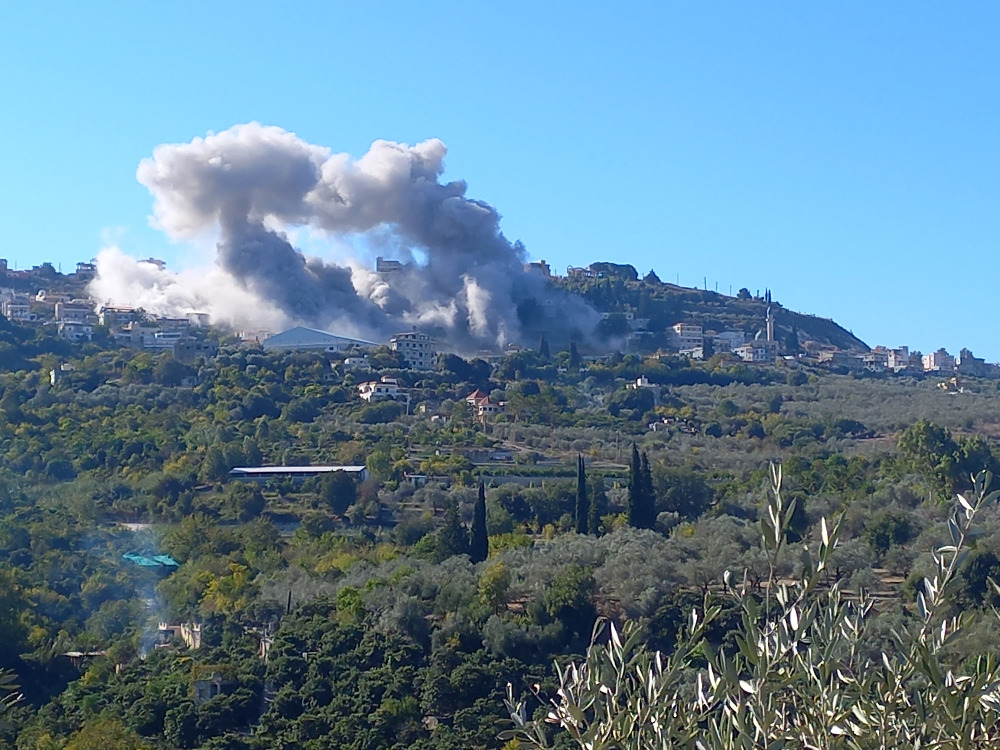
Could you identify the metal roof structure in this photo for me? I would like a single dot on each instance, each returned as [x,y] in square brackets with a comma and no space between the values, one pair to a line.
[300,338]
[264,472]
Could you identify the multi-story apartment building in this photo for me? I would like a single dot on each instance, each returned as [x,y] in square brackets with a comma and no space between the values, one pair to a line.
[898,359]
[74,311]
[18,308]
[74,330]
[686,336]
[939,361]
[417,349]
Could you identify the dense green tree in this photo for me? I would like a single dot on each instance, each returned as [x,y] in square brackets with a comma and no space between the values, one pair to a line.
[682,491]
[479,543]
[169,372]
[180,725]
[569,599]
[597,507]
[338,491]
[648,492]
[639,400]
[105,734]
[928,448]
[13,610]
[574,356]
[888,528]
[974,588]
[452,538]
[494,585]
[582,498]
[214,467]
[641,508]
[543,349]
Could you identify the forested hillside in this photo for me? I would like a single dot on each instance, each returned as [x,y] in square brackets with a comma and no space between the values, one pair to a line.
[393,612]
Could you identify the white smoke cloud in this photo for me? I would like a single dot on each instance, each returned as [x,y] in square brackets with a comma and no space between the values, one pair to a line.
[122,280]
[257,186]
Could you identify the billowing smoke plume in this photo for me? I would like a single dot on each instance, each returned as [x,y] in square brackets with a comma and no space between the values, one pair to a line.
[256,184]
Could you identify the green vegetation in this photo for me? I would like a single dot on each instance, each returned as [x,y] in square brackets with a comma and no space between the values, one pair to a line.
[802,672]
[393,612]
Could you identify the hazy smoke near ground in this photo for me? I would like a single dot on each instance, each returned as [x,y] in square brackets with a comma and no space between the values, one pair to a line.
[255,183]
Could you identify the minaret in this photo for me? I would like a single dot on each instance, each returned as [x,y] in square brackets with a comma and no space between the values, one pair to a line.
[770,324]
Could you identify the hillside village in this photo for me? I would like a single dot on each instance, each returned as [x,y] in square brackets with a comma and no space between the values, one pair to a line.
[62,302]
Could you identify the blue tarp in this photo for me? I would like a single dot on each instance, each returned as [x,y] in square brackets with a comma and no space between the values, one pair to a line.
[140,560]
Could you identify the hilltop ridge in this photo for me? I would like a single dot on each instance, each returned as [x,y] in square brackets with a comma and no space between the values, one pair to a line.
[617,288]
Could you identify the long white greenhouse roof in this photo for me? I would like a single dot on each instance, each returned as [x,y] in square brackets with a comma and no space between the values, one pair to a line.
[293,469]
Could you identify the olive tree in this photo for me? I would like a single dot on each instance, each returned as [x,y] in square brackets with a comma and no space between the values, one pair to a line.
[799,676]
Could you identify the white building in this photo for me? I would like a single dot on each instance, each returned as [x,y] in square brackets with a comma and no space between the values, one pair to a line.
[74,331]
[174,324]
[133,334]
[357,364]
[302,338]
[897,359]
[416,348]
[876,360]
[18,308]
[758,351]
[161,340]
[78,311]
[57,374]
[697,352]
[939,361]
[727,341]
[484,408]
[50,298]
[116,316]
[381,390]
[686,336]
[641,382]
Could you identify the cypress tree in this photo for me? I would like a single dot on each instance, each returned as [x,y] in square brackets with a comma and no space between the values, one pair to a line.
[479,546]
[635,484]
[598,506]
[543,349]
[574,356]
[582,500]
[641,496]
[648,495]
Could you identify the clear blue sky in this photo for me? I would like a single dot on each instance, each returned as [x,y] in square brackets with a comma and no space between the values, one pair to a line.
[846,155]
